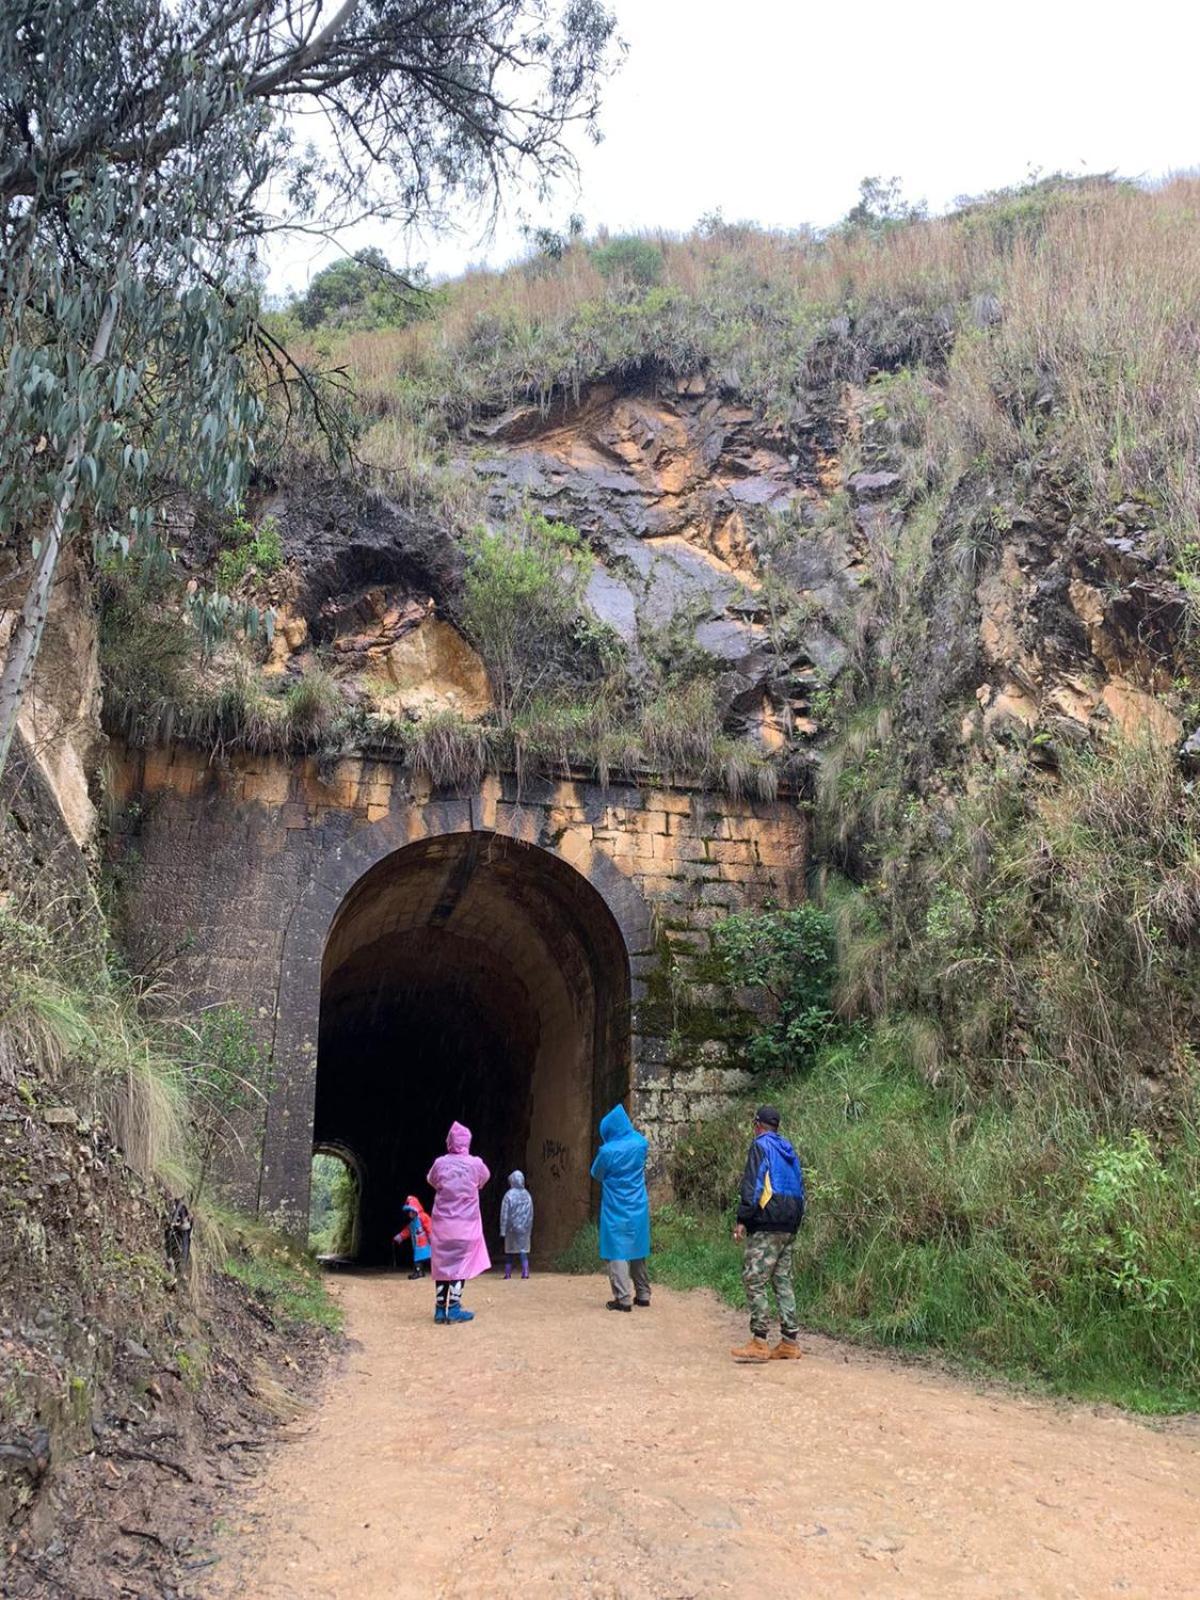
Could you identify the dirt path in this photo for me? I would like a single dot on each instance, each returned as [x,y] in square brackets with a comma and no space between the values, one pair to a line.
[552,1448]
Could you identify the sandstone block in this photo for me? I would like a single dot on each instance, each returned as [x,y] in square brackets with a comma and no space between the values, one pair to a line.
[668,800]
[732,852]
[648,822]
[686,849]
[268,787]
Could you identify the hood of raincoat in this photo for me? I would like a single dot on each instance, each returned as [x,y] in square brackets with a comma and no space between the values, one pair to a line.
[516,1180]
[458,1140]
[412,1204]
[616,1124]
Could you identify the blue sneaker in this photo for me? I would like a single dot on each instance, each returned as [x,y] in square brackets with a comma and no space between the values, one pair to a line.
[457,1314]
[439,1314]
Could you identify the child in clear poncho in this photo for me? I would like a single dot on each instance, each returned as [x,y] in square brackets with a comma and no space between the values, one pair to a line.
[516,1224]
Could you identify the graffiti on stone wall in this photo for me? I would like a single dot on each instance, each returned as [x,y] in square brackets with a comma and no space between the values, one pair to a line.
[556,1156]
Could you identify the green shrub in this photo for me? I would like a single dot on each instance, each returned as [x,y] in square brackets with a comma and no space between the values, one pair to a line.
[789,955]
[1017,1237]
[629,260]
[148,650]
[522,602]
[362,291]
[249,549]
[312,705]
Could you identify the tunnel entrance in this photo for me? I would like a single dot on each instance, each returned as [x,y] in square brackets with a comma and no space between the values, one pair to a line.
[334,1191]
[472,977]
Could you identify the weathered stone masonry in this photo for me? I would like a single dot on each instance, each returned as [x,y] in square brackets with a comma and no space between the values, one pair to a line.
[239,868]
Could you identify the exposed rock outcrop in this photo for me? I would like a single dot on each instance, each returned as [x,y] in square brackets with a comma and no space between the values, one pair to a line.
[682,494]
[700,516]
[60,719]
[679,496]
[1078,631]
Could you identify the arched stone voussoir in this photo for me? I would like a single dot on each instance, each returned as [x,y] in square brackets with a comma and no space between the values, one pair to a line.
[336,892]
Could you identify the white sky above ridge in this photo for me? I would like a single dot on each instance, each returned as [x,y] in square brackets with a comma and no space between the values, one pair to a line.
[773,112]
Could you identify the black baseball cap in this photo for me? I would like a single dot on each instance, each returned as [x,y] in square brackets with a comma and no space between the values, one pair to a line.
[768,1116]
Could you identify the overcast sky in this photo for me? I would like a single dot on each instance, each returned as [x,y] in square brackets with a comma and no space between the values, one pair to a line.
[773,111]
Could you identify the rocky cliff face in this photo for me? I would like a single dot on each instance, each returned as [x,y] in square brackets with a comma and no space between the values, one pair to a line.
[60,720]
[680,494]
[686,501]
[1025,620]
[771,554]
[1079,629]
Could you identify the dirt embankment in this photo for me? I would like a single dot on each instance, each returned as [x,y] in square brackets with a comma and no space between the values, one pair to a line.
[131,1407]
[551,1448]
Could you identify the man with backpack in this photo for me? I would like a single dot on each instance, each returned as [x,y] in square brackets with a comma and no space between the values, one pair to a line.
[770,1210]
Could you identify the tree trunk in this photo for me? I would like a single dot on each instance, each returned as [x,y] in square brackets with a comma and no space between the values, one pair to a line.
[26,638]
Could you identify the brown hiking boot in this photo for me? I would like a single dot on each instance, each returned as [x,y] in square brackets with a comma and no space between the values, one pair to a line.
[756,1350]
[786,1350]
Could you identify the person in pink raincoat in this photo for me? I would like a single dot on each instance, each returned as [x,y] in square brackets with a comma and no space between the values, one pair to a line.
[459,1251]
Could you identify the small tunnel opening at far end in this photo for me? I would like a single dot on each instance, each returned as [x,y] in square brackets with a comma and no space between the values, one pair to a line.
[335,1191]
[475,978]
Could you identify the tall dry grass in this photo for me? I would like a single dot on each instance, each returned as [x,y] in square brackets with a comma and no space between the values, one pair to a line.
[1068,315]
[73,1027]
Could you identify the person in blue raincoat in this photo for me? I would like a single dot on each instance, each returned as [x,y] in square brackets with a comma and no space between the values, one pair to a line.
[620,1170]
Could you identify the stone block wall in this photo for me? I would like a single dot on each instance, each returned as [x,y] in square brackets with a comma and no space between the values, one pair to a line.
[233,871]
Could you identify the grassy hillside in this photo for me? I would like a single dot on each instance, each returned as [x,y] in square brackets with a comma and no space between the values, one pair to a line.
[1057,322]
[1028,363]
[1001,1125]
[1010,1233]
[113,1101]
[1037,345]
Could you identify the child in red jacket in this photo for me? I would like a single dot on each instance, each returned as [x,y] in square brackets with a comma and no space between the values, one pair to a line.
[416,1228]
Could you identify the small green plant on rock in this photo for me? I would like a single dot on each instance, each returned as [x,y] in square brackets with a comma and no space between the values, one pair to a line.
[521,604]
[312,705]
[249,549]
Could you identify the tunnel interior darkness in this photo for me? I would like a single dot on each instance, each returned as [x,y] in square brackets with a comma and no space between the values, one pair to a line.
[472,977]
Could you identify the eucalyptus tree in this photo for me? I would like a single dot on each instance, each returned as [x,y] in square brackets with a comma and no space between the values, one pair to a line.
[147,147]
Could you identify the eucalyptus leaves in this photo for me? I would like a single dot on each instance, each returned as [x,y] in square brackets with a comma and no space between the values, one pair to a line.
[145,153]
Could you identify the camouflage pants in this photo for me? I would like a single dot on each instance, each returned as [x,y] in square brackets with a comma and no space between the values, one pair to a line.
[768,1259]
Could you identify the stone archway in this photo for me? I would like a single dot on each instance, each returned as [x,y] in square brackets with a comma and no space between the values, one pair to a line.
[468,975]
[352,1162]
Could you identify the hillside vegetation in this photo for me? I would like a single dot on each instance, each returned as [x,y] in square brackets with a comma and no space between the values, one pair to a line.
[994,424]
[117,1347]
[1056,319]
[1026,366]
[1001,1124]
